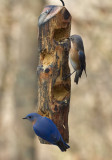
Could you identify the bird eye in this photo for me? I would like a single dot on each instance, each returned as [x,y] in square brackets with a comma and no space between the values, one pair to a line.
[29,116]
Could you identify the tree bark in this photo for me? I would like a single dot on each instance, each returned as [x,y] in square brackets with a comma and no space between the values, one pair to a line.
[53,45]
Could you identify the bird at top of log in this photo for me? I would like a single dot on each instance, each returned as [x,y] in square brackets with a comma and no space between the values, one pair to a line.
[47,130]
[77,57]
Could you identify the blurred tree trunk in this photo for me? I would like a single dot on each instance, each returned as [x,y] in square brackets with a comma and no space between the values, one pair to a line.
[18,61]
[8,74]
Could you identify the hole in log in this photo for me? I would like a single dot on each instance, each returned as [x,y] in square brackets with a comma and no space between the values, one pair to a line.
[66,15]
[47,70]
[59,92]
[46,58]
[60,34]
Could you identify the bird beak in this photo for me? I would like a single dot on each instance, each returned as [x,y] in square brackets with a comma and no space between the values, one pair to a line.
[69,38]
[24,118]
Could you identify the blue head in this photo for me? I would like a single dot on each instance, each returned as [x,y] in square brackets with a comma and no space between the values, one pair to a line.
[32,117]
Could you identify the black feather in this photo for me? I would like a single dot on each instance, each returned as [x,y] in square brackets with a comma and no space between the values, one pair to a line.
[63,146]
[82,61]
[77,76]
[76,79]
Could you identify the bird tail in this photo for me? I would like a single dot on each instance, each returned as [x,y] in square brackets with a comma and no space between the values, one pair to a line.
[77,76]
[85,72]
[63,146]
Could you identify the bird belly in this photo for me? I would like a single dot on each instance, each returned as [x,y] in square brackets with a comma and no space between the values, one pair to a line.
[74,64]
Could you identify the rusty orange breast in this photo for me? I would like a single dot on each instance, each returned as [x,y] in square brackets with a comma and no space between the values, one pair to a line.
[33,122]
[75,57]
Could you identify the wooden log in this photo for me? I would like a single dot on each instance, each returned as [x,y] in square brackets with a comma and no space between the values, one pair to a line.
[53,47]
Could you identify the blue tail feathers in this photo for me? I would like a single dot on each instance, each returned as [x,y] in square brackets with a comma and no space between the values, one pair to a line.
[62,145]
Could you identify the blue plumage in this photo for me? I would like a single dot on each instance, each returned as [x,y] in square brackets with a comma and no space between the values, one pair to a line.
[47,130]
[82,61]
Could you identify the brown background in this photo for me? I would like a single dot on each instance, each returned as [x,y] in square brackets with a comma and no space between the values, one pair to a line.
[90,116]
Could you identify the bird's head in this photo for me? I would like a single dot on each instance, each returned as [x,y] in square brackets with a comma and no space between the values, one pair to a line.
[32,117]
[77,40]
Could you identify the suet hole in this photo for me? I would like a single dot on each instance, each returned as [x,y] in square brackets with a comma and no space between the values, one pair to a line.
[61,34]
[46,58]
[47,70]
[66,15]
[59,92]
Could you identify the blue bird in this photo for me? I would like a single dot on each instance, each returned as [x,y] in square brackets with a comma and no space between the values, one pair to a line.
[47,130]
[77,57]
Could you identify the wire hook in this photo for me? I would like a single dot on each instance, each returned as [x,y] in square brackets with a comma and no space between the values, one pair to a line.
[62,2]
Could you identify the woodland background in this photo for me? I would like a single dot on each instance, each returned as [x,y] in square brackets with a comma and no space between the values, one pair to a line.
[90,116]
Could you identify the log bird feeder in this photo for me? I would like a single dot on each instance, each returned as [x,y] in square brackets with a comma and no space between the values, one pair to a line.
[53,48]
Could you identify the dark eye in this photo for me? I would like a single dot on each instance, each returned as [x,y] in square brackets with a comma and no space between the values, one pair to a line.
[29,116]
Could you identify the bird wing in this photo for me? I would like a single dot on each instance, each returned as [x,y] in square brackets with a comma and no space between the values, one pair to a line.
[47,130]
[82,61]
[54,133]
